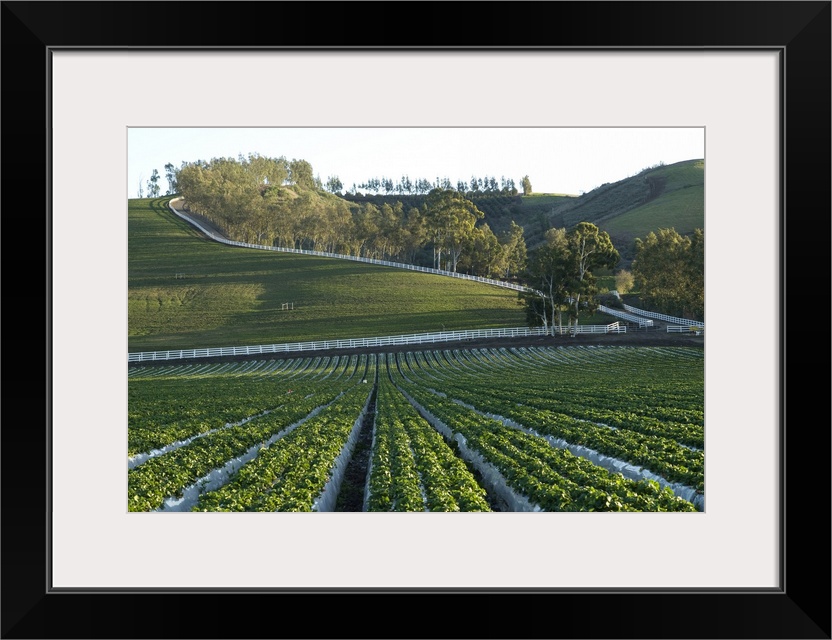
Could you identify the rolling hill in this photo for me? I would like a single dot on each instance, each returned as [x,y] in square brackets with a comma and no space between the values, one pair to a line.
[185,291]
[658,197]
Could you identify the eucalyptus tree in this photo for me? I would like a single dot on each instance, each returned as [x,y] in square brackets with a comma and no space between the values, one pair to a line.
[484,255]
[451,219]
[514,247]
[170,176]
[548,274]
[365,228]
[560,272]
[669,270]
[267,173]
[591,249]
[695,267]
[153,188]
[301,174]
[414,234]
[388,222]
[334,184]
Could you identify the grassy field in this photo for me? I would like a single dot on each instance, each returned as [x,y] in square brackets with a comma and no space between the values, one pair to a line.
[232,297]
[542,199]
[681,205]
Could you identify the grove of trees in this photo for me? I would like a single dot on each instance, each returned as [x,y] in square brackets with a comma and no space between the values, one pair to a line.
[561,273]
[275,201]
[669,272]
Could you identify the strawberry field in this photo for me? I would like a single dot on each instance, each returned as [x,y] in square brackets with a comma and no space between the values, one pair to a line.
[495,429]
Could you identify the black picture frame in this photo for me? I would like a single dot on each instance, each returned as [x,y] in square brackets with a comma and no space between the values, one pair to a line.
[800,608]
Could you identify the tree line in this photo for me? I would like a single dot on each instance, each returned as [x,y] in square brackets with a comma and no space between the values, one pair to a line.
[477,186]
[669,270]
[279,202]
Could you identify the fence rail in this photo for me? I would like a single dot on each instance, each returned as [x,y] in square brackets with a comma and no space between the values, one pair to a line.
[642,322]
[342,256]
[690,328]
[663,317]
[383,341]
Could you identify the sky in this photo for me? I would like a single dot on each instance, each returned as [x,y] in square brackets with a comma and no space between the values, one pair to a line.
[557,160]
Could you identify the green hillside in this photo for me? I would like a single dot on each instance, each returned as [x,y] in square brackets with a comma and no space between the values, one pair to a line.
[188,292]
[679,203]
[661,197]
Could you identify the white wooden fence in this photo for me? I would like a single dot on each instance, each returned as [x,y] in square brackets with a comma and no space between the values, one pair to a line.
[663,317]
[342,256]
[352,343]
[642,322]
[692,329]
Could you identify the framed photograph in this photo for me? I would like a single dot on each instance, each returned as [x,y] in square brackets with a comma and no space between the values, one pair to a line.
[755,76]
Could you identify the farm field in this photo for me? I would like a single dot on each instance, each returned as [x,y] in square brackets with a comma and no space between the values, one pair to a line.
[186,292]
[572,428]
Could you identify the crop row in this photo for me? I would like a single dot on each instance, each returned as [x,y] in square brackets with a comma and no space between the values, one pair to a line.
[665,374]
[504,387]
[175,409]
[413,468]
[553,479]
[292,473]
[663,456]
[664,386]
[168,475]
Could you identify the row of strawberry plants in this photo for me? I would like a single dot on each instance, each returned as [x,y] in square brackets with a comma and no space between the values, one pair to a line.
[413,468]
[624,356]
[688,435]
[393,482]
[664,388]
[292,473]
[662,456]
[551,478]
[505,385]
[164,411]
[667,384]
[677,397]
[169,474]
[277,399]
[531,462]
[242,368]
[208,369]
[648,364]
